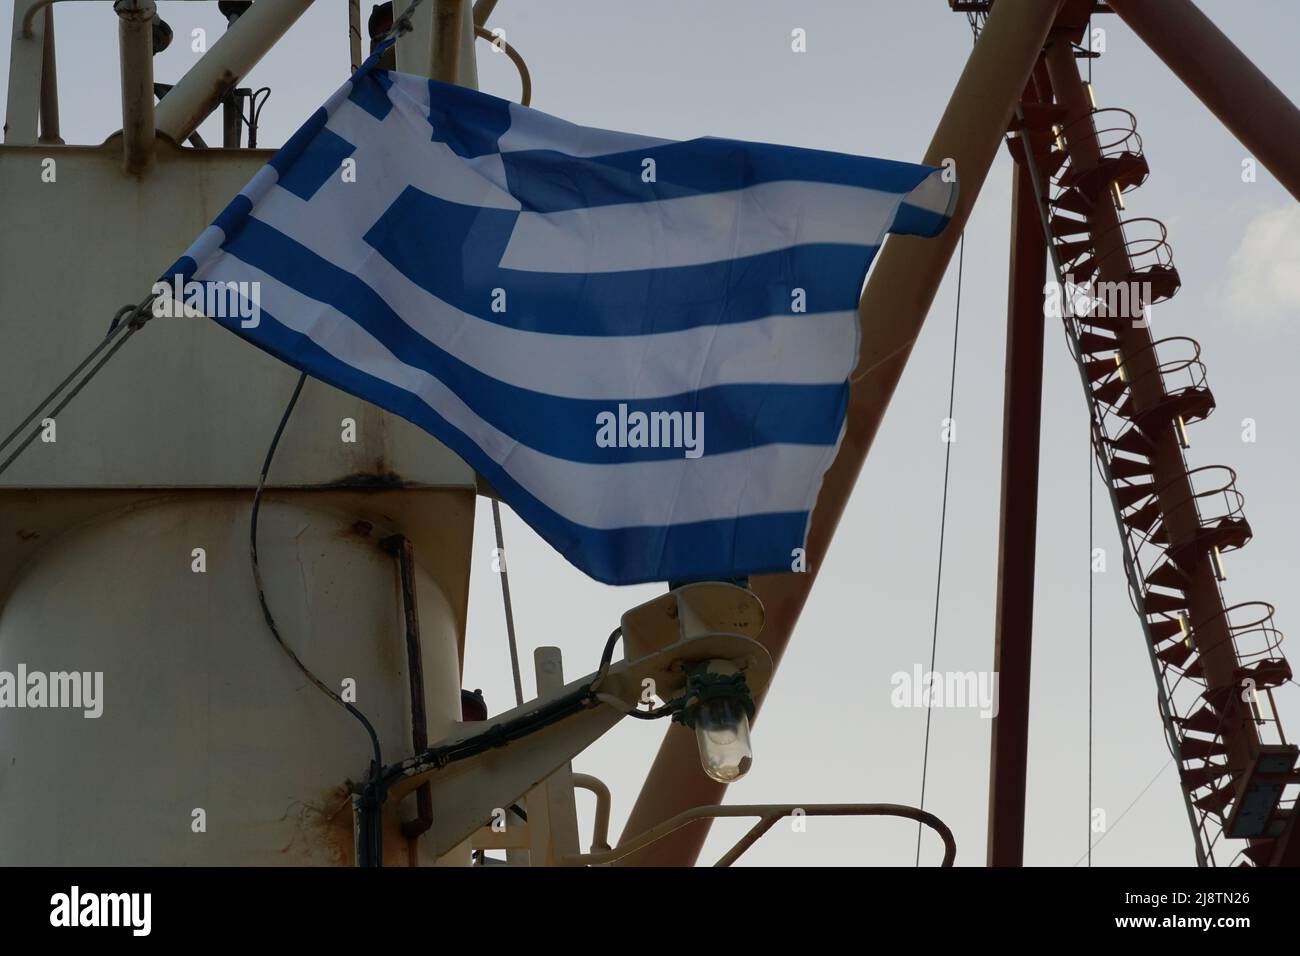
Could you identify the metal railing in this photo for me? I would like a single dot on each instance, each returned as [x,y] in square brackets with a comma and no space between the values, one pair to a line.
[1120,138]
[768,814]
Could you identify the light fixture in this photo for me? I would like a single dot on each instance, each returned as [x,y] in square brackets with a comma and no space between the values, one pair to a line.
[232,10]
[719,705]
[1219,572]
[1092,96]
[161,34]
[1262,714]
[472,705]
[1180,429]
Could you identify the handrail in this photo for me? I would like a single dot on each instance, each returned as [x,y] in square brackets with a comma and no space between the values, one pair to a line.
[1231,481]
[600,826]
[1262,625]
[1129,129]
[1154,244]
[1111,140]
[1235,501]
[1197,377]
[1166,366]
[768,814]
[1234,507]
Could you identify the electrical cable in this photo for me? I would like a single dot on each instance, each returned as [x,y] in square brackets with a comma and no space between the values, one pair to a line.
[943,513]
[119,315]
[261,591]
[1110,829]
[622,706]
[141,314]
[1090,632]
[943,524]
[505,600]
[606,656]
[256,100]
[499,735]
[103,343]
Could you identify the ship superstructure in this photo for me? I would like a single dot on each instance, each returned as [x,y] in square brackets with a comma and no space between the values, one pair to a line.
[363,524]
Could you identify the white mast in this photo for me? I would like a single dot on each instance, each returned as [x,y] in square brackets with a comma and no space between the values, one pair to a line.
[124,537]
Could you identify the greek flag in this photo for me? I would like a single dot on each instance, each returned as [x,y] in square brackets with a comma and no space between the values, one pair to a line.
[643,345]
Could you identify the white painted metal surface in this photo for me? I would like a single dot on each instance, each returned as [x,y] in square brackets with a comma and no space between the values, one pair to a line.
[201,709]
[185,403]
[25,55]
[135,40]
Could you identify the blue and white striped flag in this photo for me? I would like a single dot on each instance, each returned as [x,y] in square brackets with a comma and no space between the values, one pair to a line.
[643,345]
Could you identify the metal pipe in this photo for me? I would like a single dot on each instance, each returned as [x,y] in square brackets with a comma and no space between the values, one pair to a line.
[239,49]
[1018,523]
[232,122]
[401,548]
[135,37]
[30,15]
[482,10]
[1223,78]
[525,78]
[600,827]
[504,574]
[49,86]
[447,39]
[354,34]
[440,44]
[768,813]
[23,99]
[893,308]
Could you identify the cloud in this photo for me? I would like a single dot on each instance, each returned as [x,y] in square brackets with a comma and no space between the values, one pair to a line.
[1263,286]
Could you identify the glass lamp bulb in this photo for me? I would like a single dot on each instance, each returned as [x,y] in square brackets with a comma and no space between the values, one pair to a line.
[722,732]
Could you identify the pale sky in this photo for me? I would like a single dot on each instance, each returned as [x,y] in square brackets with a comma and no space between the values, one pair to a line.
[874,80]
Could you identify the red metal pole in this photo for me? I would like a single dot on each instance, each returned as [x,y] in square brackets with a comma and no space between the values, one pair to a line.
[1021,421]
[1224,78]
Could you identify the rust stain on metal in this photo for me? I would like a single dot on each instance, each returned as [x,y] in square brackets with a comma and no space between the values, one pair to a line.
[370,480]
[323,829]
[226,82]
[323,834]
